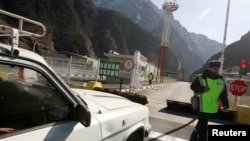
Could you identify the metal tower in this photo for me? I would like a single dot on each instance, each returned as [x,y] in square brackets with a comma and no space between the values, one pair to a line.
[169,6]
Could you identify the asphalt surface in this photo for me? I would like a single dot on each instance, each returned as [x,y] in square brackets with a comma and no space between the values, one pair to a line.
[168,124]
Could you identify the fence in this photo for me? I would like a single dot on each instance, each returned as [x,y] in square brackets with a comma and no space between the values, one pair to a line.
[72,69]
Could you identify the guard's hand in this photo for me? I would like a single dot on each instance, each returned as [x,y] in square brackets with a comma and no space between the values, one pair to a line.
[206,89]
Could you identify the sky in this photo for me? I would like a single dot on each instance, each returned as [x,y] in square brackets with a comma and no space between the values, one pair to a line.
[208,17]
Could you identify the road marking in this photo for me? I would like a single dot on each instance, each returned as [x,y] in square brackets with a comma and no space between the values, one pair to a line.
[163,137]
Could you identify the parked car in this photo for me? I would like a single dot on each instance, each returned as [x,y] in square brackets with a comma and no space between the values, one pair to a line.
[36,104]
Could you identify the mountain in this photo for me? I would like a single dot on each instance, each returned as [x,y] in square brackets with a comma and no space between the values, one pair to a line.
[233,54]
[206,46]
[192,49]
[78,26]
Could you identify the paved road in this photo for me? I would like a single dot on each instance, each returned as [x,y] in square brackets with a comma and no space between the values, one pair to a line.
[169,125]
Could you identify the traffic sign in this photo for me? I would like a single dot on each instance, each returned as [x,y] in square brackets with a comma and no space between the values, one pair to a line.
[109,68]
[238,87]
[128,64]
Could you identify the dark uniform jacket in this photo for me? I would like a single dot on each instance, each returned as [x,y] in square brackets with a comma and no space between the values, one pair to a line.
[197,87]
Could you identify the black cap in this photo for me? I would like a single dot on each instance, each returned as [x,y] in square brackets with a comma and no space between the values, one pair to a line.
[214,64]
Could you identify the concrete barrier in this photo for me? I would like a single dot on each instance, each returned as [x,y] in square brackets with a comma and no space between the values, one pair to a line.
[243,114]
[227,115]
[141,99]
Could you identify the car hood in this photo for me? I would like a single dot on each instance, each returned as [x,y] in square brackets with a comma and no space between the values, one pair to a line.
[97,100]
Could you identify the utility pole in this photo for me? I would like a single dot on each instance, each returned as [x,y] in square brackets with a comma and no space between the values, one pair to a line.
[224,38]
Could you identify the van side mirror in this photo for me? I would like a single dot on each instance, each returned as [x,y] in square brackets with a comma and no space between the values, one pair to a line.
[83,115]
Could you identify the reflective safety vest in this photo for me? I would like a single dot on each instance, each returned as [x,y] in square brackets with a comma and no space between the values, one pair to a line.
[150,77]
[209,101]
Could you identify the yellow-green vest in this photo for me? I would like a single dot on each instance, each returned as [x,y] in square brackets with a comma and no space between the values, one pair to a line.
[209,101]
[150,77]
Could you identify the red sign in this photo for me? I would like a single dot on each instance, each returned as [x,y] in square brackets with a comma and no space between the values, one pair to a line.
[128,64]
[238,87]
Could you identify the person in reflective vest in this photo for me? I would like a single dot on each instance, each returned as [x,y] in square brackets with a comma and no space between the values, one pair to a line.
[150,78]
[210,88]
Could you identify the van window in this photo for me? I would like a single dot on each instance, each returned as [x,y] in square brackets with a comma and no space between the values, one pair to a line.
[28,99]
